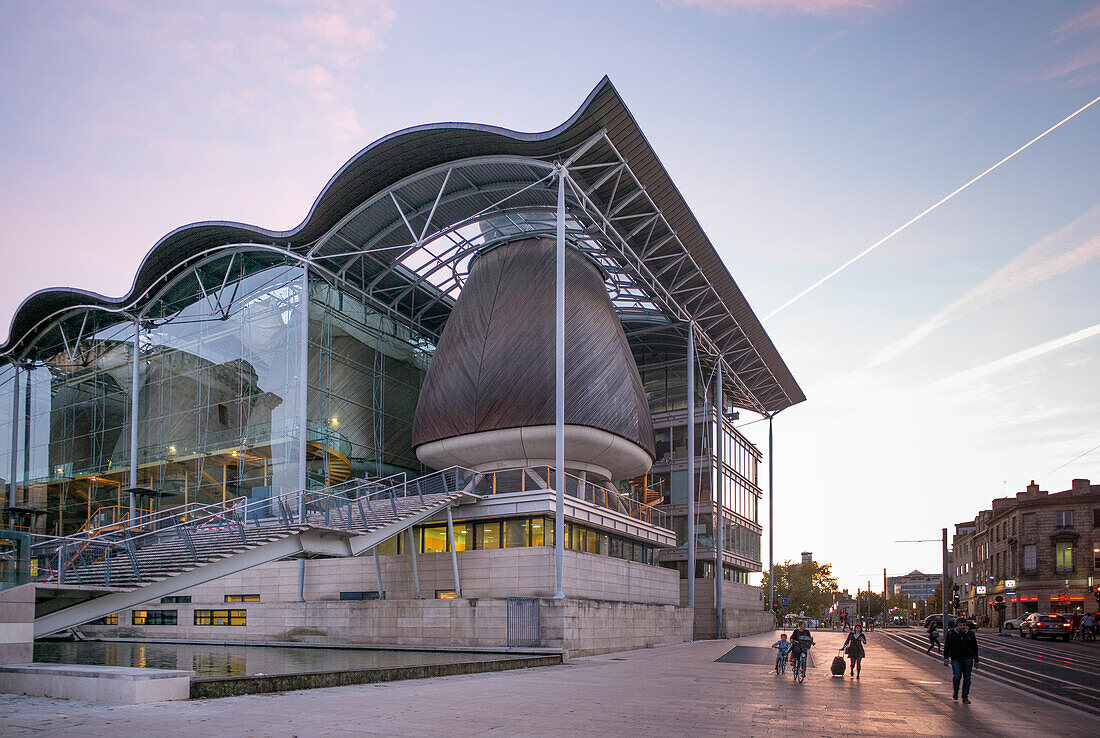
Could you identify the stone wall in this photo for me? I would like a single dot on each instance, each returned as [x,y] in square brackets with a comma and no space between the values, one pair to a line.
[527,572]
[579,626]
[742,600]
[17,625]
[615,604]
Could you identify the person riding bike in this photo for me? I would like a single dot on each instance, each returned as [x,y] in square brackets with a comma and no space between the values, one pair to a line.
[784,647]
[801,641]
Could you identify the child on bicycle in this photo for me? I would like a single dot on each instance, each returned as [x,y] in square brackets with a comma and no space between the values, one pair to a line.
[783,645]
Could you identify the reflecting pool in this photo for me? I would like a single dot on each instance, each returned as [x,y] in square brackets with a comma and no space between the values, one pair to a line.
[213,661]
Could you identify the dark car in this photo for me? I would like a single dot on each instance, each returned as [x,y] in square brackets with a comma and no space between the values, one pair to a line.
[938,620]
[1050,625]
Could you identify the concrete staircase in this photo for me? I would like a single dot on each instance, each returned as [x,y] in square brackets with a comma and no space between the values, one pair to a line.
[131,567]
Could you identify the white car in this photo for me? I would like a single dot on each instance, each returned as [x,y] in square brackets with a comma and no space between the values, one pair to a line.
[1014,623]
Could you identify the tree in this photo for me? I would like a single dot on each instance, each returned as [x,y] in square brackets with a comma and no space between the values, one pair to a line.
[809,587]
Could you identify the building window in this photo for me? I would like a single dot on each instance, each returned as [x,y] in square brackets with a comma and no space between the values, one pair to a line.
[1029,559]
[154,617]
[1063,556]
[111,619]
[445,594]
[1063,519]
[1013,526]
[515,533]
[1096,518]
[487,535]
[221,617]
[537,531]
[392,546]
[434,539]
[242,598]
[372,594]
[175,599]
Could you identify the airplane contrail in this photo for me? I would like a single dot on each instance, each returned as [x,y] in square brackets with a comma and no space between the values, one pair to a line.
[925,212]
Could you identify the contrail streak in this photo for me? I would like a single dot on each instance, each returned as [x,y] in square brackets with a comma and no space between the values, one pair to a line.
[925,212]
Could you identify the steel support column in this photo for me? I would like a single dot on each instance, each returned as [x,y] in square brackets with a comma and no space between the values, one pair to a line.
[134,417]
[771,519]
[719,520]
[412,552]
[14,435]
[691,464]
[303,396]
[559,393]
[378,573]
[454,552]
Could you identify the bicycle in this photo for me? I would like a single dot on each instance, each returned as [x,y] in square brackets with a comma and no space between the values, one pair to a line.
[800,667]
[781,663]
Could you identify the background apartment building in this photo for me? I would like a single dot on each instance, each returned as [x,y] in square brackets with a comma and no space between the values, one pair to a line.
[1047,545]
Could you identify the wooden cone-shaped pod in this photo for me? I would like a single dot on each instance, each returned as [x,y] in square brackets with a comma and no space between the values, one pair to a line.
[488,397]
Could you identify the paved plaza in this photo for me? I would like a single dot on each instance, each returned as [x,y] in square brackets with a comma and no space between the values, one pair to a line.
[673,690]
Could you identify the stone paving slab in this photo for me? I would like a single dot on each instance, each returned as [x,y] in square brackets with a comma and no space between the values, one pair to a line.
[672,690]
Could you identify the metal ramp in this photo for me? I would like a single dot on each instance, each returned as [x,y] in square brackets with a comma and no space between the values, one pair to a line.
[184,547]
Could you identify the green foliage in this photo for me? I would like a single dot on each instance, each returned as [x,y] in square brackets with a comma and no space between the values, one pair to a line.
[809,587]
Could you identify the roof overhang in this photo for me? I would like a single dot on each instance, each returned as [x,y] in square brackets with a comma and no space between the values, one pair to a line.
[401,220]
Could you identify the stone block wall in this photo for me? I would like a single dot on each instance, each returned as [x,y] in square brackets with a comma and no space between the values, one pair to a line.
[579,626]
[17,625]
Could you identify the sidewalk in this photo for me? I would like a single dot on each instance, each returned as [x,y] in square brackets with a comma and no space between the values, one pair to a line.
[673,690]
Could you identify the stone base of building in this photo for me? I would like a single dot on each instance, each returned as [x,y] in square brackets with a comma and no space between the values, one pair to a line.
[741,603]
[17,624]
[579,627]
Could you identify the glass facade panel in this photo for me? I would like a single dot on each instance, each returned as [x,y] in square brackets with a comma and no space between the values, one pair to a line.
[72,418]
[365,372]
[218,390]
[515,533]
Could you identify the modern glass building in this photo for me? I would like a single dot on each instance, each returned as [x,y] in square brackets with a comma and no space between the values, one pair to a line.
[246,363]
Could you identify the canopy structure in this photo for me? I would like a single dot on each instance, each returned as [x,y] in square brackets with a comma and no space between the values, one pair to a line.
[400,222]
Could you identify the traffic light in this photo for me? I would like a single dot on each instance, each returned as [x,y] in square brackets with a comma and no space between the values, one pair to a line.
[1096,592]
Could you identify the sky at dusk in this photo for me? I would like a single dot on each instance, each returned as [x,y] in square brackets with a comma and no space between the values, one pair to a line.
[955,363]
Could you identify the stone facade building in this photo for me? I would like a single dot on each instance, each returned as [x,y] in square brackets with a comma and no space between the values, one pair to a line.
[1048,545]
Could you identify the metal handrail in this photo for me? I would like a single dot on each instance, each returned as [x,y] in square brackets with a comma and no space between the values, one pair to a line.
[235,513]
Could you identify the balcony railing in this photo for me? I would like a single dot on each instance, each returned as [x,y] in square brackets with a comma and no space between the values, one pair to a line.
[527,479]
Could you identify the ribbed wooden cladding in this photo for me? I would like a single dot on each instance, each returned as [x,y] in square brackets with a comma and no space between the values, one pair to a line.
[494,365]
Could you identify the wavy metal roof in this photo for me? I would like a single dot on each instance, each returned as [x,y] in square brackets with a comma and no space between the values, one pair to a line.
[360,225]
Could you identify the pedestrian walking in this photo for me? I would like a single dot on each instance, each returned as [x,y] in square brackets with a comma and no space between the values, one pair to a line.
[847,626]
[933,637]
[960,647]
[854,646]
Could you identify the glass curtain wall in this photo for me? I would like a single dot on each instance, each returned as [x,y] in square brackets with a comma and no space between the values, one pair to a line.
[72,420]
[219,383]
[218,397]
[365,374]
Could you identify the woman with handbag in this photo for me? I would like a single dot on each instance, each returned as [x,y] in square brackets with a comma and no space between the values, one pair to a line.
[854,647]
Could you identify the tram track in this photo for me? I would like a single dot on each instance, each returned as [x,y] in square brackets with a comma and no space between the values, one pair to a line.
[1061,676]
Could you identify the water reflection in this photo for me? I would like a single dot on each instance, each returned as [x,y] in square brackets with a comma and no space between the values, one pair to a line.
[211,662]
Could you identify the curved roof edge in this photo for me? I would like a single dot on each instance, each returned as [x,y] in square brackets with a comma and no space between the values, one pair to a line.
[388,161]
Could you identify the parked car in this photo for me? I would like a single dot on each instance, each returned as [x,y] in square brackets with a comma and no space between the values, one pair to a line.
[938,620]
[1014,623]
[1037,625]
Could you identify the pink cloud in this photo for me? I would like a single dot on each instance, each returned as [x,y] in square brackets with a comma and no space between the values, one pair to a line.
[1087,21]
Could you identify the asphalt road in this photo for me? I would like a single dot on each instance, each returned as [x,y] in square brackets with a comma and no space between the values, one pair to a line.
[1063,672]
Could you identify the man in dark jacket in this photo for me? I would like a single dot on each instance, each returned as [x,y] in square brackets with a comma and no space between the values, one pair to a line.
[961,649]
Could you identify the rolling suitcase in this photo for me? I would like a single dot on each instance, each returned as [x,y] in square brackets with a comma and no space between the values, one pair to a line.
[838,666]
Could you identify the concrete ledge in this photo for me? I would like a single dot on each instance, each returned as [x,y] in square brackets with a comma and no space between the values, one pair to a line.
[208,688]
[114,684]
